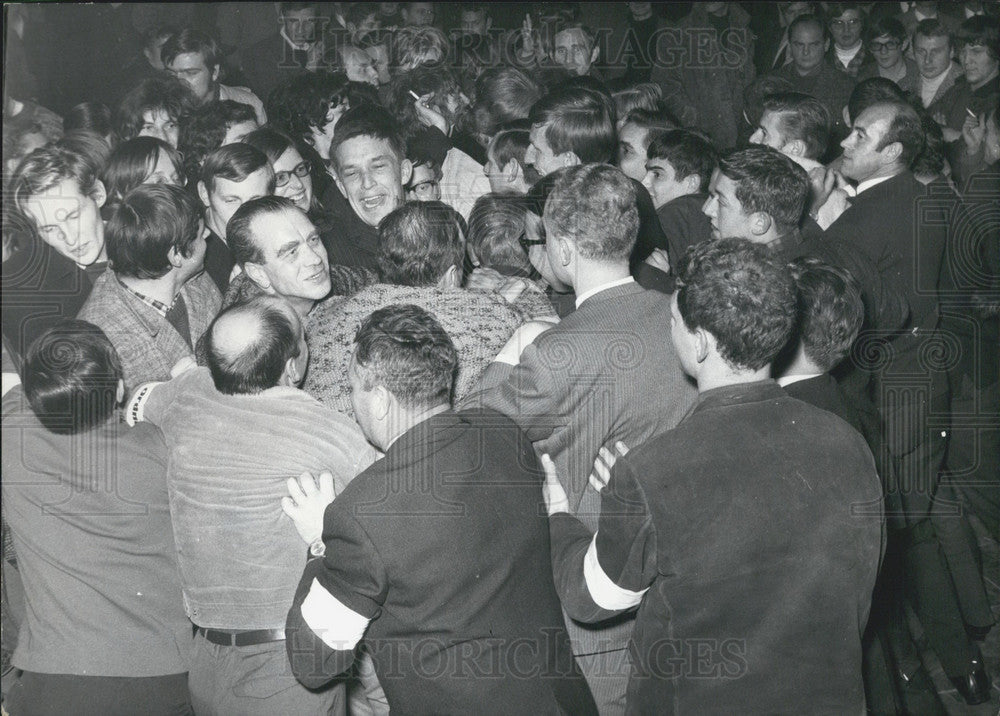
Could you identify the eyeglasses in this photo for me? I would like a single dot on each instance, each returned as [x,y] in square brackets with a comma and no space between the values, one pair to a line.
[300,170]
[840,24]
[888,46]
[527,243]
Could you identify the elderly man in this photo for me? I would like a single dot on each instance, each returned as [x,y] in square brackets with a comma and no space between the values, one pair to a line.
[436,554]
[155,301]
[226,489]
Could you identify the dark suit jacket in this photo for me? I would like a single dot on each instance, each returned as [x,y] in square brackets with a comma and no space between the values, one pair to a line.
[607,372]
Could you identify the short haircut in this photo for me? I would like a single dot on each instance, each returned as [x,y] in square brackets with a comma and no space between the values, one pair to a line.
[303,102]
[503,94]
[836,9]
[150,221]
[933,28]
[594,205]
[165,93]
[272,141]
[538,195]
[366,121]
[260,362]
[872,91]
[71,374]
[659,120]
[239,230]
[737,291]
[513,144]
[905,128]
[887,27]
[92,116]
[204,130]
[235,162]
[808,19]
[768,181]
[931,159]
[191,40]
[564,25]
[802,117]
[415,46]
[423,80]
[404,349]
[645,95]
[689,153]
[496,224]
[979,31]
[830,310]
[48,166]
[418,242]
[132,162]
[577,120]
[86,143]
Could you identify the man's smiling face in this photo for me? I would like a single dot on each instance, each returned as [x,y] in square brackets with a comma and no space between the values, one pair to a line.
[371,175]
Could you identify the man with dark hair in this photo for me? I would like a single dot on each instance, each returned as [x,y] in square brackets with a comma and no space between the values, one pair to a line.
[932,49]
[194,57]
[795,124]
[295,45]
[154,302]
[678,172]
[230,176]
[226,489]
[786,635]
[420,258]
[607,372]
[979,91]
[55,222]
[574,48]
[369,164]
[212,126]
[760,195]
[636,132]
[483,594]
[154,108]
[810,73]
[105,631]
[846,22]
[887,43]
[417,14]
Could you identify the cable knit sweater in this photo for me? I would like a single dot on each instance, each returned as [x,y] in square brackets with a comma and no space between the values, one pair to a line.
[478,322]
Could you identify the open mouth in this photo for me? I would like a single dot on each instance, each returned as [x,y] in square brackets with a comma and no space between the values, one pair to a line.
[373,202]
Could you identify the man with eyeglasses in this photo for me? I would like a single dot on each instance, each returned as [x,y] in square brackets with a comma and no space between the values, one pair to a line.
[886,42]
[847,23]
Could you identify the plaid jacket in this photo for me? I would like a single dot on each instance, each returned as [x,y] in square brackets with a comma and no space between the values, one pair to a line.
[147,344]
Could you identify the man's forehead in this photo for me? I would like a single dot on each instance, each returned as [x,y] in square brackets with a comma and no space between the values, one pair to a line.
[188,60]
[930,42]
[875,118]
[65,191]
[659,163]
[253,182]
[572,36]
[807,32]
[274,229]
[365,147]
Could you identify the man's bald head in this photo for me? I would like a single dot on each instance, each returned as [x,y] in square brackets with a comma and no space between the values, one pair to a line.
[255,346]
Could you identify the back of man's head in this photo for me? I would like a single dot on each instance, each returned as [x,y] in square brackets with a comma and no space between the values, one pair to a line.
[872,91]
[905,128]
[234,162]
[767,181]
[71,377]
[577,120]
[404,349]
[249,345]
[737,292]
[240,229]
[830,311]
[151,222]
[419,242]
[594,206]
[803,118]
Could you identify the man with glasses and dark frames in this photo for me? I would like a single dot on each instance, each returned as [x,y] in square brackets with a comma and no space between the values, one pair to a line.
[886,43]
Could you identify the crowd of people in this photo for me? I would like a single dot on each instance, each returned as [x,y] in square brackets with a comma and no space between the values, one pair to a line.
[501,358]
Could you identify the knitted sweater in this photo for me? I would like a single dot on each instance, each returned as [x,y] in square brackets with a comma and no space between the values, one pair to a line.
[478,322]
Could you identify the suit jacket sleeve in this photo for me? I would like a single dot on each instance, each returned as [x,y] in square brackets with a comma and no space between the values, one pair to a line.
[601,576]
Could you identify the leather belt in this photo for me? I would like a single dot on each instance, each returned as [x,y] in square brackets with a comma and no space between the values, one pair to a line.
[241,638]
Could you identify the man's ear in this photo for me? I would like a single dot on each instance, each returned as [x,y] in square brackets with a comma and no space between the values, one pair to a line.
[452,278]
[569,159]
[511,171]
[406,171]
[203,193]
[794,148]
[892,151]
[564,250]
[120,392]
[702,344]
[175,257]
[595,54]
[691,183]
[382,403]
[215,73]
[760,223]
[257,275]
[291,372]
[99,194]
[826,46]
[847,116]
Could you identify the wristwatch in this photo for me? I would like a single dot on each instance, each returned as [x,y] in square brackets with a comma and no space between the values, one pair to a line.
[317,548]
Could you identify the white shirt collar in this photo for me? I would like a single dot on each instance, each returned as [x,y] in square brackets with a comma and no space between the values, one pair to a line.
[789,379]
[603,287]
[869,183]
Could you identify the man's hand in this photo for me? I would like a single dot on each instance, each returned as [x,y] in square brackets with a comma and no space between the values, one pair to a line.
[973,133]
[428,116]
[552,489]
[306,503]
[522,338]
[602,465]
[824,182]
[484,278]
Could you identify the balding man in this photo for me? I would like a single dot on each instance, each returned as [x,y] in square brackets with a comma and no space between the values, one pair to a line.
[237,431]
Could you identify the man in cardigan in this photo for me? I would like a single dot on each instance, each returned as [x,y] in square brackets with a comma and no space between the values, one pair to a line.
[607,372]
[227,487]
[751,571]
[154,303]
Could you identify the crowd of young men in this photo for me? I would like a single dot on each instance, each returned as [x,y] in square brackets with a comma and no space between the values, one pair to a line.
[603,359]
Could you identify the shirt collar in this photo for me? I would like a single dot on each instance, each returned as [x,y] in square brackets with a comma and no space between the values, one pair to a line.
[789,379]
[869,183]
[157,305]
[603,287]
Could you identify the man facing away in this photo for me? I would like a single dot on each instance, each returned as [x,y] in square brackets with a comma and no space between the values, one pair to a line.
[733,533]
[236,431]
[436,556]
